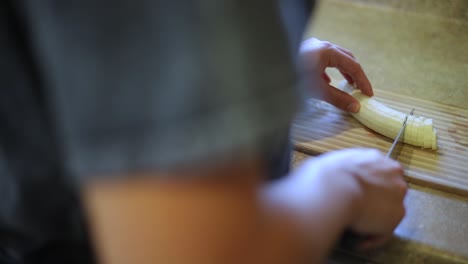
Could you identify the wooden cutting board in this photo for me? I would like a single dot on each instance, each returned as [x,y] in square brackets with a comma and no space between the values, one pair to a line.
[323,128]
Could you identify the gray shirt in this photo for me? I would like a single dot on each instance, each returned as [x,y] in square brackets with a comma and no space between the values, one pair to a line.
[104,87]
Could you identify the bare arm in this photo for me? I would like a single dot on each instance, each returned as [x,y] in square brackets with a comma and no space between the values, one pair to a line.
[226,216]
[219,218]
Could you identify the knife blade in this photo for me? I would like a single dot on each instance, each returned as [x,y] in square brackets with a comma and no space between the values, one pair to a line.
[398,137]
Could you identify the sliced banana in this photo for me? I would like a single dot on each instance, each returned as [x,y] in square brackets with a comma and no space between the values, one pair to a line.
[384,120]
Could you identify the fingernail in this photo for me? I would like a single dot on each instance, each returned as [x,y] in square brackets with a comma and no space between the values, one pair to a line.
[353,107]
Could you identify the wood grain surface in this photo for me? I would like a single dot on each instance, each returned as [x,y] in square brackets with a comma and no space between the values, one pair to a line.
[322,128]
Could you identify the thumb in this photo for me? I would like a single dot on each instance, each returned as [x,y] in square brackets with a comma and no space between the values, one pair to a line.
[341,100]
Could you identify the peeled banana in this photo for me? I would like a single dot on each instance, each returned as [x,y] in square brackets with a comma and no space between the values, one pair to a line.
[419,131]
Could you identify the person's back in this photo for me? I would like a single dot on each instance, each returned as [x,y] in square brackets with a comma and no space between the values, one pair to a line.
[121,64]
[39,209]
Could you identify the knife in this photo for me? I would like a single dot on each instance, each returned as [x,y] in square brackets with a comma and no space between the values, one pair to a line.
[398,137]
[351,240]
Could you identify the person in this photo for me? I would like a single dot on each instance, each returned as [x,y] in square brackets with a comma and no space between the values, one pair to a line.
[146,132]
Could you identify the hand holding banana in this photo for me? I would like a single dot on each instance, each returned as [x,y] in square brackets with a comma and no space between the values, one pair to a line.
[318,55]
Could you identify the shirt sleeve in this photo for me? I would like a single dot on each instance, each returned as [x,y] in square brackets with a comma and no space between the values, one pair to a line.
[142,85]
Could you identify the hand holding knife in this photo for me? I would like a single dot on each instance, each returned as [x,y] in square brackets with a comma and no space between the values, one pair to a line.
[350,239]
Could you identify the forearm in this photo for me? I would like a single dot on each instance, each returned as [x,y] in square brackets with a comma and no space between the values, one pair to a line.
[236,221]
[316,221]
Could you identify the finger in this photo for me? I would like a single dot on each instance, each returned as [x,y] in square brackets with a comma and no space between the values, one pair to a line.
[340,99]
[346,51]
[403,187]
[326,77]
[347,77]
[374,242]
[347,64]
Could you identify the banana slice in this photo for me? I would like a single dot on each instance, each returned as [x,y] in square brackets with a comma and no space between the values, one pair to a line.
[384,120]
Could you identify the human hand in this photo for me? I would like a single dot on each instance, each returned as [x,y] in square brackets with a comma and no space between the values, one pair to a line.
[381,190]
[355,189]
[318,55]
